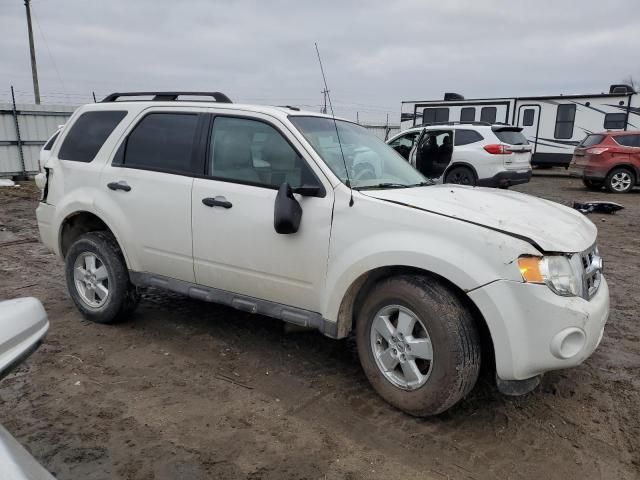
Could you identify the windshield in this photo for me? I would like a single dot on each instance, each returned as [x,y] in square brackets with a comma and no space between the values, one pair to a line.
[371,162]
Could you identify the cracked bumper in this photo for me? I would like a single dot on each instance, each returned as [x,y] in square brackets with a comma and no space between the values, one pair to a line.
[534,330]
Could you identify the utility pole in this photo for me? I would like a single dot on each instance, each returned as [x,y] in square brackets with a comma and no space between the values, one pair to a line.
[325,92]
[34,68]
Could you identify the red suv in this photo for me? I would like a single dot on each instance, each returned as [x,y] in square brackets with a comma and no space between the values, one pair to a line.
[609,159]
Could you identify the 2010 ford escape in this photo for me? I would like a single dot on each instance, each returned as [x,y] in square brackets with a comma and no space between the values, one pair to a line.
[251,206]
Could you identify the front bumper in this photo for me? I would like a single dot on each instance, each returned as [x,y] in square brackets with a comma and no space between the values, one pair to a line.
[506,178]
[534,330]
[16,463]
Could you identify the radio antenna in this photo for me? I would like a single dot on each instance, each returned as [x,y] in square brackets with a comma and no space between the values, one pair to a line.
[335,124]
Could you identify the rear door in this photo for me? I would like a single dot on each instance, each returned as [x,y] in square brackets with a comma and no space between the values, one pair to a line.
[150,181]
[529,120]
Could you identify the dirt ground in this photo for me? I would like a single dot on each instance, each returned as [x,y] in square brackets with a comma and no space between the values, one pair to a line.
[191,390]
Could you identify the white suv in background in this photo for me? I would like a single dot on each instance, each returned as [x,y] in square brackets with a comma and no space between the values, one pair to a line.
[473,153]
[315,221]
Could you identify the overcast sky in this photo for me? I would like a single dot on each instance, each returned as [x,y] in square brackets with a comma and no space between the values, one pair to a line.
[375,53]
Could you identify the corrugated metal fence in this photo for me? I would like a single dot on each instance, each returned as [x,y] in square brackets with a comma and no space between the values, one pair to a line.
[24,129]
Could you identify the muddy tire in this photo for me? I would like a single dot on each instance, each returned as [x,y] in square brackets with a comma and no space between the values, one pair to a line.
[461,176]
[424,318]
[98,279]
[620,180]
[592,184]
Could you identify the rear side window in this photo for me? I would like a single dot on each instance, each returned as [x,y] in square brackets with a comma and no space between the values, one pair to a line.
[52,140]
[435,115]
[527,117]
[565,117]
[468,114]
[488,114]
[628,140]
[591,140]
[511,137]
[163,142]
[465,137]
[614,121]
[88,133]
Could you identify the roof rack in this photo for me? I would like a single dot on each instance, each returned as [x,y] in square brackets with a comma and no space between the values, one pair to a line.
[168,96]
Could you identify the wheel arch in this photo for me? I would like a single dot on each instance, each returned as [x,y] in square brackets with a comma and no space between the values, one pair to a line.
[355,295]
[459,163]
[81,222]
[629,166]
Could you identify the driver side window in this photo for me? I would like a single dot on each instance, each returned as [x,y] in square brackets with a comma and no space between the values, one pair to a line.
[404,144]
[250,151]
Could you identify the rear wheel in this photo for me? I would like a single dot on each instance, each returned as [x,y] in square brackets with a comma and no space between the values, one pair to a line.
[620,180]
[461,176]
[418,344]
[592,184]
[98,279]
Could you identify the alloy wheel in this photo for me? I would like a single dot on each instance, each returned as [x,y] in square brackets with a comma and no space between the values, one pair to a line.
[91,279]
[401,347]
[621,181]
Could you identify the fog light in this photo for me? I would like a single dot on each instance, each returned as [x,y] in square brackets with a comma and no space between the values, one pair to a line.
[568,343]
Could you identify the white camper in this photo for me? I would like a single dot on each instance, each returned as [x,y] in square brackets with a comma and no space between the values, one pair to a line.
[554,125]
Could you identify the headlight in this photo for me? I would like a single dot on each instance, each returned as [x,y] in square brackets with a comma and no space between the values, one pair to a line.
[555,271]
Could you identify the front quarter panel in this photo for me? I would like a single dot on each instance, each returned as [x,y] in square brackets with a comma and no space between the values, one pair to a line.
[375,233]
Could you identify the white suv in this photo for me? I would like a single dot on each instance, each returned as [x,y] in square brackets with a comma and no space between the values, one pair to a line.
[467,153]
[251,206]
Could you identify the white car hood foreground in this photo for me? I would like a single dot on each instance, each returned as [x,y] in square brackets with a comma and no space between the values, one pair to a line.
[548,225]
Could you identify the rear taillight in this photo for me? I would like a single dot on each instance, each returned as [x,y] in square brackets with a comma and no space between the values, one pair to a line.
[597,150]
[497,149]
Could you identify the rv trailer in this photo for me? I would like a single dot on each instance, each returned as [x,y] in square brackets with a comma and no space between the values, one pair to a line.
[554,125]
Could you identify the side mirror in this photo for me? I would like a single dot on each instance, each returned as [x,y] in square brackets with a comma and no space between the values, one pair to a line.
[287,211]
[23,324]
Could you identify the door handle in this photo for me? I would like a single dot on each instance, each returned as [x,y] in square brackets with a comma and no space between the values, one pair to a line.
[121,185]
[218,201]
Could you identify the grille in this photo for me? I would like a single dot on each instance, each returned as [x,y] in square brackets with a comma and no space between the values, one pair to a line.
[591,272]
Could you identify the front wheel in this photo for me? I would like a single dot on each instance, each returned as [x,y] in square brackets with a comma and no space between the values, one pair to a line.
[418,344]
[98,279]
[461,176]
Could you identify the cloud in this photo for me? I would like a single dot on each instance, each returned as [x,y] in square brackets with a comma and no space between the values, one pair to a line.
[376,53]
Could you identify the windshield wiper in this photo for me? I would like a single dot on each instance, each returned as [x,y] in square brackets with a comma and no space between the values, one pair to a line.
[382,186]
[421,184]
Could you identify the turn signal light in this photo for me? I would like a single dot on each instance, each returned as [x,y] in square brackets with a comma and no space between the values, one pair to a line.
[530,269]
[497,149]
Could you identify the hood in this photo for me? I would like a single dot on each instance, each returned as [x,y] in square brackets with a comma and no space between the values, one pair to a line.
[549,226]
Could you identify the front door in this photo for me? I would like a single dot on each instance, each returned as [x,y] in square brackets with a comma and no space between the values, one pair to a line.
[235,245]
[529,120]
[433,153]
